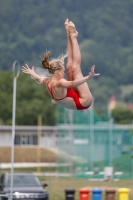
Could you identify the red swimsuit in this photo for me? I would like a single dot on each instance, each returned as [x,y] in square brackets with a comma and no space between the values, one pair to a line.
[70,93]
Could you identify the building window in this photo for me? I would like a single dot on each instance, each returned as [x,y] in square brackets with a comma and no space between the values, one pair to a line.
[25,140]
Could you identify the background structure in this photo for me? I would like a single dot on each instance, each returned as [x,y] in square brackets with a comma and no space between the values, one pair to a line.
[88,144]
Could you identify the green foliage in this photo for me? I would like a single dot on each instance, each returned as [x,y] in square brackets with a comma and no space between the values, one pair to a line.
[32,100]
[128,97]
[105,33]
[122,115]
[102,91]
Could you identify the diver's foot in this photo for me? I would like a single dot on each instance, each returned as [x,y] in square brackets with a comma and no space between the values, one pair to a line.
[72,29]
[66,26]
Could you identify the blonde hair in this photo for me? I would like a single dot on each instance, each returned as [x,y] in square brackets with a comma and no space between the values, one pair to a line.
[54,64]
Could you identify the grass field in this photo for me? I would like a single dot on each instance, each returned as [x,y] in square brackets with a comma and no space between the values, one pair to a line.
[57,186]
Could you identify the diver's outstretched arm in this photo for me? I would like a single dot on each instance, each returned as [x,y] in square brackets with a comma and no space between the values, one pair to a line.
[27,70]
[77,82]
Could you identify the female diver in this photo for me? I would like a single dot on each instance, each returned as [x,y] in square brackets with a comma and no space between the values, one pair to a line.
[74,92]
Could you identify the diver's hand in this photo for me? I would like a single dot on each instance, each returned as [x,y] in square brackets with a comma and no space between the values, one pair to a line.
[27,70]
[92,73]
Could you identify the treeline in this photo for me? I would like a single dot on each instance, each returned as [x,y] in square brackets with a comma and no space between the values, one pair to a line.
[32,100]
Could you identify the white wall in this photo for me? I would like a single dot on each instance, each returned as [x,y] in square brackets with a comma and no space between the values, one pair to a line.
[5,139]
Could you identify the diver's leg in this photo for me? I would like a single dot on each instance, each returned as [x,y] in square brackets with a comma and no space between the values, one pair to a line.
[83,90]
[69,53]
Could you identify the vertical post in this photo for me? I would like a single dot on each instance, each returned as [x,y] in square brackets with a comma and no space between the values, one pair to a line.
[71,142]
[16,75]
[91,134]
[132,146]
[110,141]
[39,141]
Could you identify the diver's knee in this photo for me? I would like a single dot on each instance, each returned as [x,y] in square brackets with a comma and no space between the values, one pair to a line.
[69,64]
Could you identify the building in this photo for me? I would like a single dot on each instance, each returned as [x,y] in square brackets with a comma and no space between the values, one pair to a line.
[28,135]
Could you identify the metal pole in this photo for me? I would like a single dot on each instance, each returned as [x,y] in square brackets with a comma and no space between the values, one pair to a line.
[39,132]
[110,141]
[16,75]
[132,146]
[92,135]
[71,142]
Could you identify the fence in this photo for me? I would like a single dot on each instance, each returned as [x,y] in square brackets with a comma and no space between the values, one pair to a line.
[87,144]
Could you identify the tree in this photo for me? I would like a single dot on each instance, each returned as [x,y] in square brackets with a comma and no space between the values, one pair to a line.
[122,115]
[32,100]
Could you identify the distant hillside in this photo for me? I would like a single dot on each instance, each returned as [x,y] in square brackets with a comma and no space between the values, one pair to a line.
[30,27]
